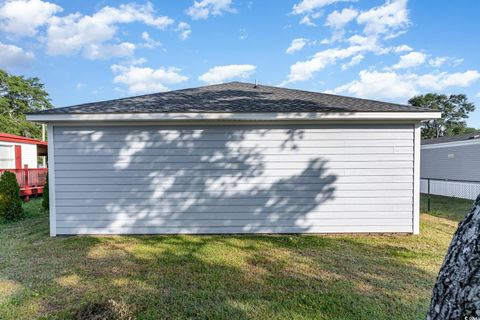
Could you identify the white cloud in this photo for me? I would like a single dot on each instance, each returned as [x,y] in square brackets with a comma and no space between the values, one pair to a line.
[400,87]
[306,21]
[296,45]
[440,81]
[24,17]
[437,62]
[477,95]
[13,57]
[338,19]
[457,61]
[402,48]
[149,42]
[304,70]
[385,19]
[219,74]
[202,9]
[185,30]
[440,61]
[144,79]
[88,34]
[380,22]
[353,62]
[306,6]
[108,51]
[410,60]
[379,85]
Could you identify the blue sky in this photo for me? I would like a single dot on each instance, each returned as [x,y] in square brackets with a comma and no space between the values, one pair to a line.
[382,49]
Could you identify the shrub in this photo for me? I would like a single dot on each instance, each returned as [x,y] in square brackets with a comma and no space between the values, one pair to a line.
[45,201]
[10,202]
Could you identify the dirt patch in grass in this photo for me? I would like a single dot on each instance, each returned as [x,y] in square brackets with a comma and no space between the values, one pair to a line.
[104,310]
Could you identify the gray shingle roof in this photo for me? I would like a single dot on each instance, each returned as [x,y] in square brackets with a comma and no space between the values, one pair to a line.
[234,97]
[464,137]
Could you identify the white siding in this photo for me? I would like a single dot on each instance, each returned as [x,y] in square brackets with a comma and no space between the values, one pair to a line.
[29,155]
[234,179]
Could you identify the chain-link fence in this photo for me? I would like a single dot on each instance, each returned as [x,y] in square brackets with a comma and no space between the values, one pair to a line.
[449,188]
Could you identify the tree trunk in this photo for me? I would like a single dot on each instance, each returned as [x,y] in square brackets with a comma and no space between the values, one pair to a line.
[456,294]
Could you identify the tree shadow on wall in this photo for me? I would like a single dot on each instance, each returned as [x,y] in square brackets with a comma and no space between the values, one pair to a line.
[208,179]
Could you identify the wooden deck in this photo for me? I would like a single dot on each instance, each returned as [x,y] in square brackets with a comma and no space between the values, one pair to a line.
[31,181]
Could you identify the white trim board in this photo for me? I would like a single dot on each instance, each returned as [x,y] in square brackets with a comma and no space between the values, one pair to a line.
[51,181]
[235,116]
[416,177]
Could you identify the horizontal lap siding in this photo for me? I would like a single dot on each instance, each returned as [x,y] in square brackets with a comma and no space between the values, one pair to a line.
[458,163]
[238,179]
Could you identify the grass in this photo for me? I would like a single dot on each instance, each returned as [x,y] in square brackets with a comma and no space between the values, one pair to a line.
[209,277]
[446,207]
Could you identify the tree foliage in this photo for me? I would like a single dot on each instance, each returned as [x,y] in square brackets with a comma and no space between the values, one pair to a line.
[46,197]
[10,202]
[455,109]
[19,95]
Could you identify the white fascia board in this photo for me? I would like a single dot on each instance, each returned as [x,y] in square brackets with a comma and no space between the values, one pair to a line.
[451,144]
[417,116]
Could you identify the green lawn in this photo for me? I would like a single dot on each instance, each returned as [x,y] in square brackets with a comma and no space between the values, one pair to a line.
[446,207]
[235,277]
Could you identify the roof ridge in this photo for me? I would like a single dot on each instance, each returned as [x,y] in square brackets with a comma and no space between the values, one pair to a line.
[327,94]
[235,96]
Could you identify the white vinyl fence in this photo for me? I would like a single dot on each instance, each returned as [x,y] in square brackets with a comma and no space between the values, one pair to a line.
[457,189]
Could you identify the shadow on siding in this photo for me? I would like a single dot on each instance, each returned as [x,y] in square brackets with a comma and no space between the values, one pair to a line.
[195,180]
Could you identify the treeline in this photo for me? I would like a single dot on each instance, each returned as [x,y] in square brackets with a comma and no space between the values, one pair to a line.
[18,96]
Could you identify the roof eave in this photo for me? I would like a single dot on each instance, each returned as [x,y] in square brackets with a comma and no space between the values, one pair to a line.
[418,116]
[6,137]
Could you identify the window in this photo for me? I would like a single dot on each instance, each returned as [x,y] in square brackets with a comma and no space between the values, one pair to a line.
[6,157]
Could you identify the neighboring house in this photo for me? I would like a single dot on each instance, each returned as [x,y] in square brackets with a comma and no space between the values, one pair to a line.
[234,158]
[20,155]
[16,152]
[452,166]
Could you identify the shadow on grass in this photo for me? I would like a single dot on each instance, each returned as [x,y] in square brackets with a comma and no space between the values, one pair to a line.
[237,277]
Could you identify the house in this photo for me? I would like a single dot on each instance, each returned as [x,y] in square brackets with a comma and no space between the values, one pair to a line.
[20,155]
[234,158]
[450,166]
[16,152]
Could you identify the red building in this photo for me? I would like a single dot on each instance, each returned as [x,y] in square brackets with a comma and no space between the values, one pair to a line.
[26,157]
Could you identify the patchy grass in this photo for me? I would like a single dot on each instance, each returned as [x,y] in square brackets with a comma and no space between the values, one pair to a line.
[446,207]
[239,277]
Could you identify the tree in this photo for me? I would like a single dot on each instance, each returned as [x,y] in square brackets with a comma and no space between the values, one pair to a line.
[46,197]
[455,109]
[19,95]
[456,294]
[10,202]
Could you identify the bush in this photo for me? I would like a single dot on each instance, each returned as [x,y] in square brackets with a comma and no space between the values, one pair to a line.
[10,202]
[45,201]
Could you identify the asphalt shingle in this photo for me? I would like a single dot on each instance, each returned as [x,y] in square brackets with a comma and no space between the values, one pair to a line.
[235,97]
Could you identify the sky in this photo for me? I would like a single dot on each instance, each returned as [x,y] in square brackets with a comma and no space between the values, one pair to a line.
[388,50]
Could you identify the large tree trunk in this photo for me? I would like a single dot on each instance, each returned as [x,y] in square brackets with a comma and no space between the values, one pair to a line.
[456,294]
